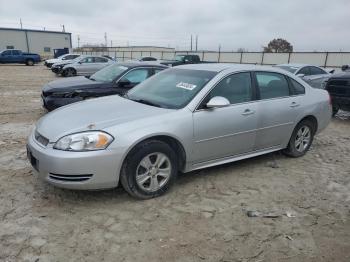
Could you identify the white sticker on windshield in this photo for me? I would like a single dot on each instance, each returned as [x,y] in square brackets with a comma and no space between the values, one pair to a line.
[123,67]
[186,86]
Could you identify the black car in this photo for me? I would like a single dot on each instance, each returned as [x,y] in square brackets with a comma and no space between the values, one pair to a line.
[338,87]
[114,79]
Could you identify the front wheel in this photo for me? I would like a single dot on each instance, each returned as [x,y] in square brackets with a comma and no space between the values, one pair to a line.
[69,72]
[301,139]
[149,169]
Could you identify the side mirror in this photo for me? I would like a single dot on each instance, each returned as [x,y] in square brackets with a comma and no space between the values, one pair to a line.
[300,75]
[80,62]
[123,82]
[217,102]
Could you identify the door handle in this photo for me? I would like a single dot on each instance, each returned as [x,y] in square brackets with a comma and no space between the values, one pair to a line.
[248,112]
[294,104]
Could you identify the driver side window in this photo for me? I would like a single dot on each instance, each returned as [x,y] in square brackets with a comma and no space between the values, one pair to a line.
[305,71]
[136,76]
[236,88]
[88,60]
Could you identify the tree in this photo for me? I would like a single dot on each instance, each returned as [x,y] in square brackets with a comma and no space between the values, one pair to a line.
[242,50]
[278,45]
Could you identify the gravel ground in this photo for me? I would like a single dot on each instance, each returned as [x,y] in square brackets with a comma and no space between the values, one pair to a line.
[203,217]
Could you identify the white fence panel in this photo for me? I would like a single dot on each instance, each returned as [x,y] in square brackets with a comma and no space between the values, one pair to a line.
[317,59]
[229,57]
[211,57]
[338,59]
[251,58]
[168,55]
[275,58]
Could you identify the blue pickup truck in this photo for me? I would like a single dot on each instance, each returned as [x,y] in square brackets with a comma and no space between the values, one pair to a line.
[12,56]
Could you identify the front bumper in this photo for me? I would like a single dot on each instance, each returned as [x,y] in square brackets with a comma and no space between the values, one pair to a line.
[75,170]
[51,103]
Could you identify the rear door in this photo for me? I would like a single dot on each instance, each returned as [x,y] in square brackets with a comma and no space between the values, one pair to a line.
[99,63]
[16,56]
[278,109]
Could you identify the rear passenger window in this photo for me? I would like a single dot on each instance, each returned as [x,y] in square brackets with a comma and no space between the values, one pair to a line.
[272,85]
[298,89]
[304,71]
[100,60]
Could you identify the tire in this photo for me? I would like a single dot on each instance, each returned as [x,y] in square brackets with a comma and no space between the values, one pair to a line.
[335,110]
[141,175]
[69,72]
[29,62]
[301,139]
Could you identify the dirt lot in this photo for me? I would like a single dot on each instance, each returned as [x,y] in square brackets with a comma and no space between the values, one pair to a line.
[203,218]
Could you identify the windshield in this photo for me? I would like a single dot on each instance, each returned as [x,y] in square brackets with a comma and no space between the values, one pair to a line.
[179,58]
[172,88]
[109,73]
[290,69]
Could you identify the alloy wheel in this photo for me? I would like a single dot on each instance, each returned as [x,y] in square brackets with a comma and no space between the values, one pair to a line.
[153,172]
[303,138]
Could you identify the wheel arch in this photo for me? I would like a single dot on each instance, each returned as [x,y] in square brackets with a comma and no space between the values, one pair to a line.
[312,119]
[173,142]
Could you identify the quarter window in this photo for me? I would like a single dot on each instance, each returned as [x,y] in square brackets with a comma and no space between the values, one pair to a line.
[236,88]
[298,89]
[136,76]
[316,71]
[304,71]
[272,85]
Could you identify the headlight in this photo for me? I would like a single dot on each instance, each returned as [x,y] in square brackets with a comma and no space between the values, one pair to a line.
[85,141]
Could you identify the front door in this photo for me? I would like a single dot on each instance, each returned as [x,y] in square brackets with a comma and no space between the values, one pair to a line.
[227,131]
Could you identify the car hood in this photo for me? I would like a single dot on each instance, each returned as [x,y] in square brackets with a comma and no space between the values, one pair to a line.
[342,75]
[71,82]
[94,114]
[53,60]
[65,62]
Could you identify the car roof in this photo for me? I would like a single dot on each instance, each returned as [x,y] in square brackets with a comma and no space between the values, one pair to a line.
[296,65]
[218,67]
[140,64]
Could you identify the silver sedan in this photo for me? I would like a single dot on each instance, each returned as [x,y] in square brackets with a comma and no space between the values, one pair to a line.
[313,75]
[182,119]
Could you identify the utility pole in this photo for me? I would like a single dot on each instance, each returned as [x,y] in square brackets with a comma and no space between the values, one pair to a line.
[111,43]
[106,39]
[78,41]
[191,42]
[196,42]
[63,29]
[20,21]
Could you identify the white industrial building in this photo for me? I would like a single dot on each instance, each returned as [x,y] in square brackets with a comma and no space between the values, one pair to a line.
[35,41]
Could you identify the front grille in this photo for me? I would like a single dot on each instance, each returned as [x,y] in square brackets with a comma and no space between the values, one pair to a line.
[41,139]
[70,178]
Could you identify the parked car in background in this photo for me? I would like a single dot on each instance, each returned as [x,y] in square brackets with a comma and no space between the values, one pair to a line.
[83,65]
[57,67]
[148,58]
[182,119]
[65,57]
[182,59]
[114,79]
[13,56]
[345,68]
[313,75]
[338,87]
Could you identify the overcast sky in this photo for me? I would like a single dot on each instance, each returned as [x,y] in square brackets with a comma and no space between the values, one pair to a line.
[309,25]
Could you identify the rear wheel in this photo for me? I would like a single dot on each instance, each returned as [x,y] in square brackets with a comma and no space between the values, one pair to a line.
[301,139]
[29,62]
[69,72]
[335,110]
[149,169]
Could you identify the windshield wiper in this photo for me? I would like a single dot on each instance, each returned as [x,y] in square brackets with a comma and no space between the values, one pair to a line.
[146,102]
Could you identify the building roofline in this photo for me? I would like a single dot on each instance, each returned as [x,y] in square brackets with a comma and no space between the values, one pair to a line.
[34,30]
